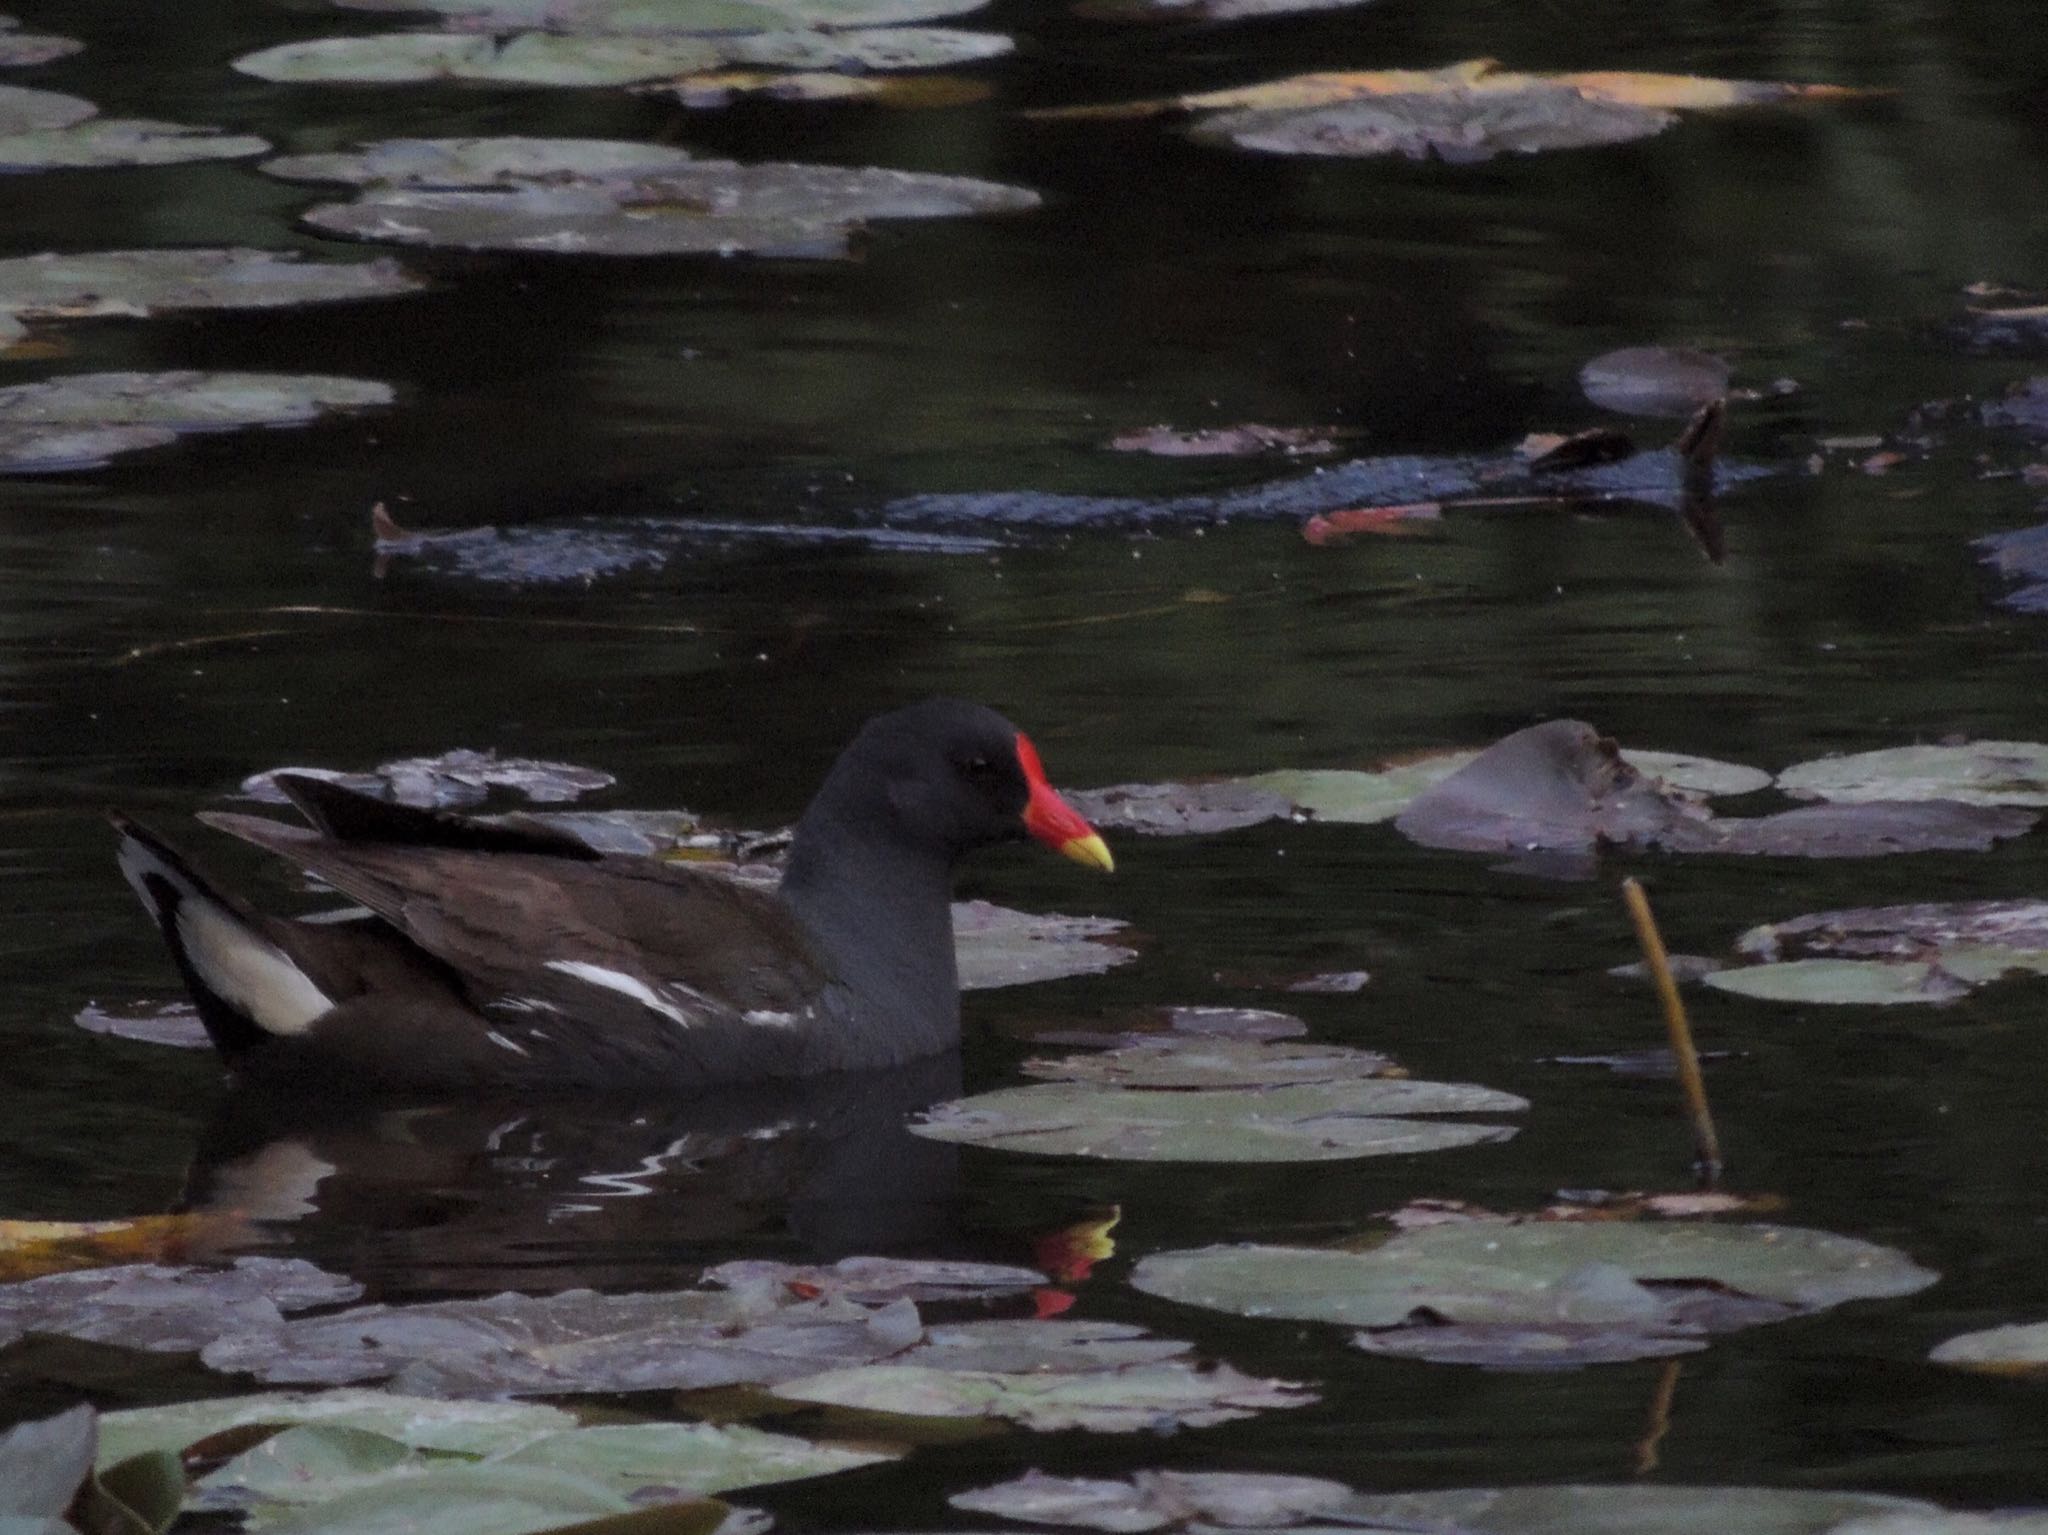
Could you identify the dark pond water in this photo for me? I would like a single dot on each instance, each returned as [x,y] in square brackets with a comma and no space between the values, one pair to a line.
[185,618]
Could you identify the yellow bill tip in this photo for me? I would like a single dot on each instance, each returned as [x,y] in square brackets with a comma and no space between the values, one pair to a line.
[1091,850]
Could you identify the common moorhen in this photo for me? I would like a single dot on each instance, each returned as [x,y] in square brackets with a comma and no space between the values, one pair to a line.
[515,955]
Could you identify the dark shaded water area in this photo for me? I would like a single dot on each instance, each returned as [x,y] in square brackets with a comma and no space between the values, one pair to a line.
[182,619]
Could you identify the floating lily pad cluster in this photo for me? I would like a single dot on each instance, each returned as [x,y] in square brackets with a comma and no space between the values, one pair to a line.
[1537,1294]
[702,51]
[604,197]
[1886,955]
[1461,113]
[1561,788]
[1190,1098]
[46,130]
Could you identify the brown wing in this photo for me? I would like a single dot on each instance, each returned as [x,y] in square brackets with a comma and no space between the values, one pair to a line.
[614,939]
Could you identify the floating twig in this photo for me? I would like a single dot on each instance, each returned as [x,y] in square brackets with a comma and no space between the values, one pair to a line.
[1706,1144]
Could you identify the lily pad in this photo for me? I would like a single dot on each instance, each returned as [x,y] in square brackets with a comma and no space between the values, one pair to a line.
[1312,1122]
[168,1309]
[998,946]
[1197,1062]
[721,88]
[25,50]
[57,449]
[1156,1500]
[185,401]
[1159,1398]
[1654,380]
[1842,982]
[456,164]
[875,1281]
[871,48]
[143,282]
[1181,809]
[453,780]
[426,1423]
[41,1465]
[532,59]
[121,141]
[661,17]
[23,110]
[2018,1349]
[1639,1508]
[1980,773]
[1655,1280]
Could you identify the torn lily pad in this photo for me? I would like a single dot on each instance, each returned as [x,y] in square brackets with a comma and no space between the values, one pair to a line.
[1620,1285]
[1979,773]
[167,1309]
[999,946]
[185,401]
[2020,1348]
[1303,1122]
[92,284]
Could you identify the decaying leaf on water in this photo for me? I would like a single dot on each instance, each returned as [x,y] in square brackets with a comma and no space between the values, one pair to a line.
[1655,380]
[1461,112]
[1882,955]
[1556,450]
[29,1249]
[25,50]
[1541,1294]
[1387,521]
[1324,1106]
[453,780]
[1226,441]
[92,284]
[873,1281]
[46,130]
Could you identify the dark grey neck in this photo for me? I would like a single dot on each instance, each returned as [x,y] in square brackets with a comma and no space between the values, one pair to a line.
[882,915]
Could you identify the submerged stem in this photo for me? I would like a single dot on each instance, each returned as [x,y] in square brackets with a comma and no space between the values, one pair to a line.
[1706,1144]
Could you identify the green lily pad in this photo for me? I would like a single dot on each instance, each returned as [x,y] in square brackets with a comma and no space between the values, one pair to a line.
[707,207]
[185,401]
[1159,1397]
[664,17]
[460,164]
[532,58]
[1981,773]
[41,1465]
[1360,798]
[1638,1508]
[55,449]
[1504,1272]
[1845,982]
[997,946]
[458,1500]
[23,110]
[121,141]
[1310,1122]
[869,48]
[425,1423]
[143,282]
[2021,1348]
[1159,1500]
[1705,776]
[1193,1061]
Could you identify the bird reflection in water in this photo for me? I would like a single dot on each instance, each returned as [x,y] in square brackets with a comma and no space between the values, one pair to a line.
[481,1194]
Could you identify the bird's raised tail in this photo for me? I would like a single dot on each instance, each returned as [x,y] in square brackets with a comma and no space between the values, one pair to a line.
[248,989]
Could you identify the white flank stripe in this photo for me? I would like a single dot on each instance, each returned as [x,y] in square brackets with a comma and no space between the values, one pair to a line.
[625,985]
[767,1018]
[503,1043]
[248,971]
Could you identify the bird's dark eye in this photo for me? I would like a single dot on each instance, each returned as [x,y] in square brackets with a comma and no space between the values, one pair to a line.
[977,766]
